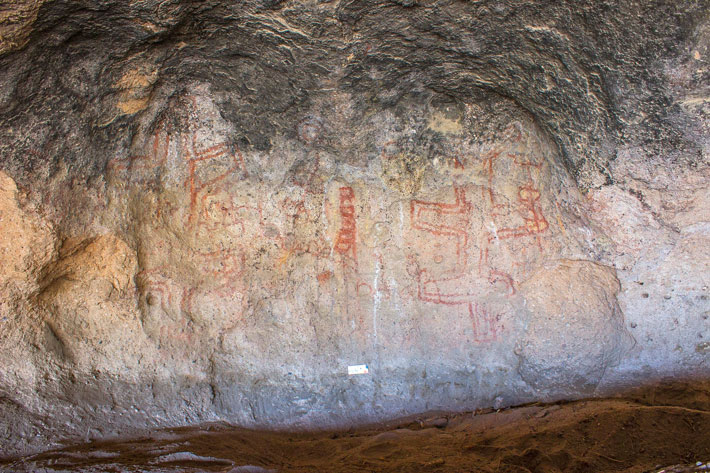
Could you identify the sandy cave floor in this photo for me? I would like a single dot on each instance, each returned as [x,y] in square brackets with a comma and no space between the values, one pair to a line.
[650,429]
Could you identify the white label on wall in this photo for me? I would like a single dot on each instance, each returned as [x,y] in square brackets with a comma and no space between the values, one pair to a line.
[358,369]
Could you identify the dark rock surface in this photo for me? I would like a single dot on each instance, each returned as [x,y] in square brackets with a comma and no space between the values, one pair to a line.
[595,77]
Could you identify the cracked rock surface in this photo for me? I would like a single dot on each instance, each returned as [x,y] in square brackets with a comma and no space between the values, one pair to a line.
[210,210]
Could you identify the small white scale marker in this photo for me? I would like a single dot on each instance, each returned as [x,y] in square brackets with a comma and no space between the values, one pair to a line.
[358,369]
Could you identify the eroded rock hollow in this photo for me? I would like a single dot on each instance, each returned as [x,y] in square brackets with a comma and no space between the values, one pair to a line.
[211,210]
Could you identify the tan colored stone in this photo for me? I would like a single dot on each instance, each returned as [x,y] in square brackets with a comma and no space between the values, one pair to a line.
[88,293]
[16,20]
[26,243]
[82,262]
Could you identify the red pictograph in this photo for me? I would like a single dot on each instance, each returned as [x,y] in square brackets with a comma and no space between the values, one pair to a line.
[528,197]
[451,286]
[494,275]
[208,167]
[497,209]
[324,277]
[298,214]
[162,293]
[346,241]
[216,214]
[223,267]
[317,247]
[305,175]
[534,221]
[295,208]
[486,325]
[444,220]
[139,165]
[458,162]
[157,289]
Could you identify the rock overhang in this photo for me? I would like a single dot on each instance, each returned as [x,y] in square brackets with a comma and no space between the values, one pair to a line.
[234,203]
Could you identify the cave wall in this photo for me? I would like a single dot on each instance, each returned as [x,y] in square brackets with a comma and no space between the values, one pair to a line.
[209,211]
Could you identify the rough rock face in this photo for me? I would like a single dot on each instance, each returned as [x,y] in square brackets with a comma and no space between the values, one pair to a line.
[576,331]
[209,210]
